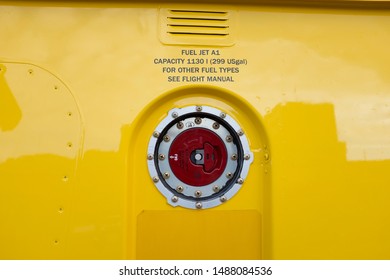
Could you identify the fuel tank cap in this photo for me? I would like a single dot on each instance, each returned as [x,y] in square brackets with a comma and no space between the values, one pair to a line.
[198,157]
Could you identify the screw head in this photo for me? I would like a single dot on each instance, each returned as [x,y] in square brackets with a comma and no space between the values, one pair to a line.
[175,115]
[166,175]
[174,198]
[229,175]
[179,189]
[150,157]
[240,132]
[199,108]
[198,120]
[215,125]
[222,115]
[167,138]
[247,156]
[234,157]
[156,134]
[240,181]
[198,193]
[198,205]
[216,189]
[180,125]
[156,179]
[223,199]
[161,156]
[229,138]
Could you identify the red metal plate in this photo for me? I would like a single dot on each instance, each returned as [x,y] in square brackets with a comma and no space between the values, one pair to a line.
[198,157]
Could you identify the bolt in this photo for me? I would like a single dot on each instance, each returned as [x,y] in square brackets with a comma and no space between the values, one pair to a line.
[198,120]
[222,115]
[215,125]
[223,199]
[180,125]
[247,156]
[199,108]
[180,189]
[240,132]
[216,189]
[166,175]
[167,138]
[198,193]
[198,205]
[156,134]
[150,156]
[234,156]
[156,179]
[175,115]
[229,175]
[240,181]
[229,138]
[174,198]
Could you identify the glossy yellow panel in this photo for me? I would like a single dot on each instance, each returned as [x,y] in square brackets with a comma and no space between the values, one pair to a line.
[221,235]
[40,142]
[83,85]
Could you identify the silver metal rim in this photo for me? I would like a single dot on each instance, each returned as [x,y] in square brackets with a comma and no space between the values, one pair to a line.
[188,197]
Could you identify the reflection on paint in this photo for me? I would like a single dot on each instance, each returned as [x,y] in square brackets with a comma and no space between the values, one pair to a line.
[323,205]
[10,113]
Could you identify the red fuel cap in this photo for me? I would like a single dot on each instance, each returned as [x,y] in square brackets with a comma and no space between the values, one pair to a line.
[198,157]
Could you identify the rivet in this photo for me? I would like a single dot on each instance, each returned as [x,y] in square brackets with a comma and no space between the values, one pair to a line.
[215,125]
[180,125]
[240,181]
[240,132]
[216,189]
[229,138]
[175,115]
[247,156]
[180,189]
[198,205]
[222,115]
[161,157]
[199,108]
[234,157]
[156,179]
[223,198]
[166,175]
[174,198]
[166,138]
[150,157]
[156,134]
[198,193]
[229,175]
[198,120]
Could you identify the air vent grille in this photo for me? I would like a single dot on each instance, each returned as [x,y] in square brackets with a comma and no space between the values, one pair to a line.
[197,27]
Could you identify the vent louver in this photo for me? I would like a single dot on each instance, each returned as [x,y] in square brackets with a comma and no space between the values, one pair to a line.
[197,27]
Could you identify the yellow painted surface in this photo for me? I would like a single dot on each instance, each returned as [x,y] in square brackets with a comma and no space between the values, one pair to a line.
[82,89]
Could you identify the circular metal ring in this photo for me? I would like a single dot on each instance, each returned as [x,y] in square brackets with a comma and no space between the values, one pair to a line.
[190,193]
